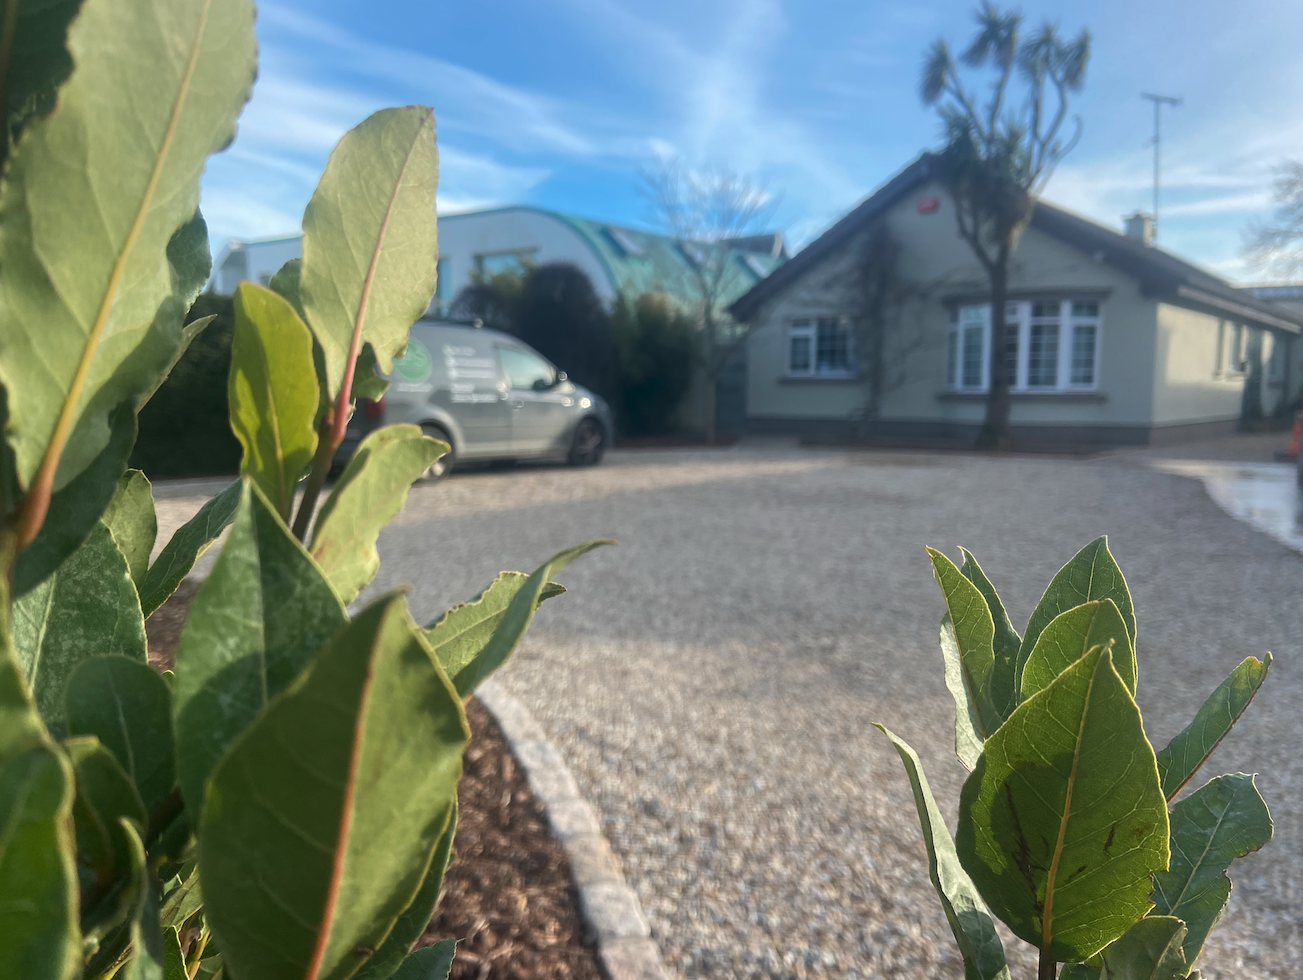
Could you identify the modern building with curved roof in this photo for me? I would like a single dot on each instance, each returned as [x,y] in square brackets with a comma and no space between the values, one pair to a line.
[618,259]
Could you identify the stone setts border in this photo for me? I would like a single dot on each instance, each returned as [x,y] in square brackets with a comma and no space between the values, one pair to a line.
[610,908]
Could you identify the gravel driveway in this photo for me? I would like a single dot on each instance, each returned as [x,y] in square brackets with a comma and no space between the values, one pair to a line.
[712,680]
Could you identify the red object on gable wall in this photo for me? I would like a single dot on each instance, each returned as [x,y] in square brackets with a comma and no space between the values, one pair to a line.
[928,205]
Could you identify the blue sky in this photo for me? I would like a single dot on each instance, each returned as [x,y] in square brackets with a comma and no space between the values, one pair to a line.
[559,103]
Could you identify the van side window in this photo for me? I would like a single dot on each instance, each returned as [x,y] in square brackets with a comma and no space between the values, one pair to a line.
[524,369]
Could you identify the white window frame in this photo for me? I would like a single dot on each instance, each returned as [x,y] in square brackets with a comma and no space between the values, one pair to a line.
[809,327]
[1019,318]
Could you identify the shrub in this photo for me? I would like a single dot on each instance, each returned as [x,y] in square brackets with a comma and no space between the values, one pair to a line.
[560,315]
[553,308]
[1069,828]
[283,804]
[185,428]
[658,352]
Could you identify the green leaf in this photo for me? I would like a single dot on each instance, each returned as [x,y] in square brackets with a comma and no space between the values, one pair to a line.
[1149,950]
[516,619]
[127,706]
[85,259]
[431,963]
[967,637]
[146,959]
[272,393]
[1063,821]
[86,609]
[38,60]
[462,632]
[416,917]
[39,939]
[20,725]
[259,617]
[173,959]
[1091,574]
[190,263]
[969,918]
[189,542]
[1186,753]
[367,496]
[1006,640]
[370,246]
[104,795]
[183,900]
[1224,819]
[286,285]
[75,509]
[321,820]
[366,383]
[1067,638]
[130,518]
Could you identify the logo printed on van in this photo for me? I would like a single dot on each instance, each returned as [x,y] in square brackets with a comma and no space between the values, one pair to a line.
[415,366]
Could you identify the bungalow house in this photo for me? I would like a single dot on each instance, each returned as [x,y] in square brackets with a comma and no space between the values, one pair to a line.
[1112,341]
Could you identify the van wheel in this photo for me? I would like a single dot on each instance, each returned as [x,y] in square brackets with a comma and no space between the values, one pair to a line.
[442,466]
[589,443]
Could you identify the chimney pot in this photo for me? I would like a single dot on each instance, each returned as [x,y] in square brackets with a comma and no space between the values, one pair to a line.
[1140,225]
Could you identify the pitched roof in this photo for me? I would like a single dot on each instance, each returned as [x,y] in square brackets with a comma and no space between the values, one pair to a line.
[1160,273]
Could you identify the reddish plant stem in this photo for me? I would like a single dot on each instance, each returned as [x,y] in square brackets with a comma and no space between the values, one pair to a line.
[326,446]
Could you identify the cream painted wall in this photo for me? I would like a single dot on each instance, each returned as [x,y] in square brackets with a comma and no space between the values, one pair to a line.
[939,264]
[1187,386]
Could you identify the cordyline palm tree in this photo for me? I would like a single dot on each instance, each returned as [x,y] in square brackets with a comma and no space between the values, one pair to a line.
[999,156]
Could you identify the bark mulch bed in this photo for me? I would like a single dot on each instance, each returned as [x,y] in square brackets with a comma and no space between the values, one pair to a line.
[507,897]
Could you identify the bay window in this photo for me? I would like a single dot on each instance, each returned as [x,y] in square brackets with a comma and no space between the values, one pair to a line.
[1049,345]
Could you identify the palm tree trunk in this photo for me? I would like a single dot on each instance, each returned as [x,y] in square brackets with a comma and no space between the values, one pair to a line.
[995,433]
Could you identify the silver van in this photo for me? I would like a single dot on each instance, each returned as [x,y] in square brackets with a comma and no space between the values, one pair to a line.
[487,395]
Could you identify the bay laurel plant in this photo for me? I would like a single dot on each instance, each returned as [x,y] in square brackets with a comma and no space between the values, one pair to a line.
[1070,831]
[282,804]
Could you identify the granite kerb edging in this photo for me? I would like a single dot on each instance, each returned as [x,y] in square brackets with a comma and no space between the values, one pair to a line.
[610,908]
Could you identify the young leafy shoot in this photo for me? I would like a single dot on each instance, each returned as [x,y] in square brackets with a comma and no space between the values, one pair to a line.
[1063,821]
[967,648]
[370,243]
[1091,574]
[1006,641]
[272,393]
[1067,639]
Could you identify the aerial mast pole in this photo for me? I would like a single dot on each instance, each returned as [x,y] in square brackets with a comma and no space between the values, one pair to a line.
[1159,101]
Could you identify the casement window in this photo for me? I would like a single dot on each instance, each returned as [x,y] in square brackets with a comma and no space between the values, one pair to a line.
[820,347]
[1049,345]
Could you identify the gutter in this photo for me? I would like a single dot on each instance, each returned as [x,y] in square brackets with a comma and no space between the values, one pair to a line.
[1238,309]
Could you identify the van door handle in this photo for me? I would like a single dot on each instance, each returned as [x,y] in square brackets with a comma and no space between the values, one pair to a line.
[518,403]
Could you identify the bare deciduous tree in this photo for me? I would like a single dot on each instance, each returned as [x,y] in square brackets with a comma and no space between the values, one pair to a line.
[886,336]
[999,156]
[706,210]
[1276,246]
